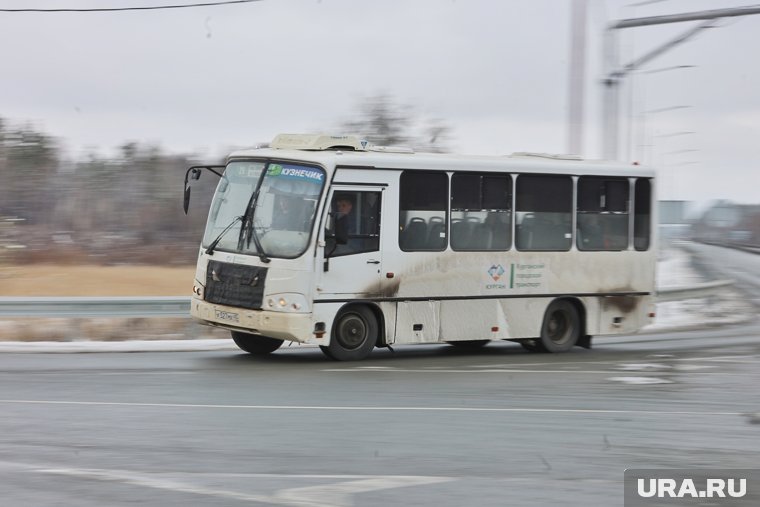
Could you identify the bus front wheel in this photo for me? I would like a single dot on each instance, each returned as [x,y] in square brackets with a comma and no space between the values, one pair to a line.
[531,345]
[255,344]
[354,334]
[561,327]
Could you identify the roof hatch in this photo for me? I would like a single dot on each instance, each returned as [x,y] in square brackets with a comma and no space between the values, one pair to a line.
[318,142]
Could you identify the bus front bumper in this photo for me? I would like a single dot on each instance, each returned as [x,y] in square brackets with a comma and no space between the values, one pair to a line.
[296,327]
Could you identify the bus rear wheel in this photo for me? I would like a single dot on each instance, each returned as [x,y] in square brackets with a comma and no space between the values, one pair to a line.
[255,344]
[354,334]
[561,327]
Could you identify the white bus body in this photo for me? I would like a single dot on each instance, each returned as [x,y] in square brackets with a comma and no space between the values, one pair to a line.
[439,248]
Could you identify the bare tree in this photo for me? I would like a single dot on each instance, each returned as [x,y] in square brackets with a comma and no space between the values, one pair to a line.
[383,121]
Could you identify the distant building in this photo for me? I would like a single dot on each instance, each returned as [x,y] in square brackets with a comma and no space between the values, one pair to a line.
[729,223]
[672,220]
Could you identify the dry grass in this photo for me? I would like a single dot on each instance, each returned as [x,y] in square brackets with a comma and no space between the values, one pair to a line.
[49,280]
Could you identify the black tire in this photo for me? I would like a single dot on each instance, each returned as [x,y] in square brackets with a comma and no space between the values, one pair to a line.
[256,344]
[469,344]
[354,334]
[326,351]
[532,345]
[561,327]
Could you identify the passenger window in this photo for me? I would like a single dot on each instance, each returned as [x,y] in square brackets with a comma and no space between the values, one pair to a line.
[642,214]
[357,214]
[481,211]
[422,211]
[543,214]
[602,220]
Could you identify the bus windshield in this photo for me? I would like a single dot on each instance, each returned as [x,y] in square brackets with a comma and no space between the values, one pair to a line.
[264,209]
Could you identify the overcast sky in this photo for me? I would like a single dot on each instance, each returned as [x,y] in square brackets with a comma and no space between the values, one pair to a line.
[204,79]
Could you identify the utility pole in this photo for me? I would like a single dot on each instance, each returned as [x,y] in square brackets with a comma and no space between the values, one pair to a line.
[576,96]
[614,73]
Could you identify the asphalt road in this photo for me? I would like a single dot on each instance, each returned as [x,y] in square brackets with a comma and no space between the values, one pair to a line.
[426,425]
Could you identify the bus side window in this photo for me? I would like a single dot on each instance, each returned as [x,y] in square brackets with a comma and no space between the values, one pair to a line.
[602,220]
[642,214]
[422,211]
[481,211]
[544,208]
[357,213]
[414,234]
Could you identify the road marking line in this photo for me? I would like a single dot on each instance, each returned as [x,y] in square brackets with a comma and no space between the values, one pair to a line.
[752,359]
[152,482]
[339,494]
[657,356]
[99,373]
[640,380]
[376,408]
[323,495]
[515,370]
[492,370]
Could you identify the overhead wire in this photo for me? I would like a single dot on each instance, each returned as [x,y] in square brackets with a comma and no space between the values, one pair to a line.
[139,8]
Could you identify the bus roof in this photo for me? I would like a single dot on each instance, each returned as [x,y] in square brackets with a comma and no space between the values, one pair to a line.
[349,151]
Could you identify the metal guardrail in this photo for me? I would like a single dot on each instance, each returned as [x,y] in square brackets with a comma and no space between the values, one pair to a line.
[692,292]
[165,306]
[179,306]
[746,247]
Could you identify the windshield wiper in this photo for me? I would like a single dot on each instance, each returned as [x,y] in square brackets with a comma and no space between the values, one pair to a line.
[216,241]
[248,229]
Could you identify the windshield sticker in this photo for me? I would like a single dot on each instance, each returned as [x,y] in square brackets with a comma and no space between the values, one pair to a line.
[242,173]
[249,172]
[296,172]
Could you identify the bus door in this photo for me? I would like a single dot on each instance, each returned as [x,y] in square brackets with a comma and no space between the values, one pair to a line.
[351,257]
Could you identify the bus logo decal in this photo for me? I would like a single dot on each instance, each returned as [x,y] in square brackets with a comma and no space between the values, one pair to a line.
[496,271]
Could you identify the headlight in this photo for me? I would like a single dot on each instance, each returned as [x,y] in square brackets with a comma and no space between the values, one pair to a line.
[198,289]
[295,303]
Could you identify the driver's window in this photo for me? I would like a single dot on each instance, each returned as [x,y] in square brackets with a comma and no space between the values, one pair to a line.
[356,217]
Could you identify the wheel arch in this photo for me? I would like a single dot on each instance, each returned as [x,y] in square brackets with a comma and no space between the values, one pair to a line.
[376,311]
[584,340]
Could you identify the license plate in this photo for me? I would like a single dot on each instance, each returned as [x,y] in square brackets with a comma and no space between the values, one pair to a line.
[226,316]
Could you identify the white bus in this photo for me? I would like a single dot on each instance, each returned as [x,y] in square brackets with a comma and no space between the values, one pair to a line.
[330,241]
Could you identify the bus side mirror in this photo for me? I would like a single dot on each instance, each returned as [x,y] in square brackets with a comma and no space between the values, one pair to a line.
[186,201]
[194,173]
